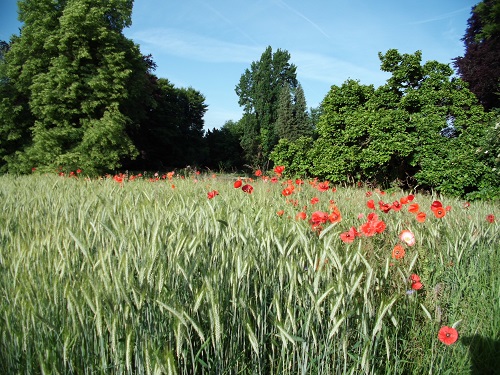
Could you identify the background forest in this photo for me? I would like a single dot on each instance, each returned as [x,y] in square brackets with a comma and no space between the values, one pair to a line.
[75,93]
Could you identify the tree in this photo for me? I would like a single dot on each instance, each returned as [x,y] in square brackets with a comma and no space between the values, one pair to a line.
[293,120]
[171,136]
[72,79]
[394,133]
[15,116]
[480,65]
[225,152]
[285,122]
[302,121]
[258,91]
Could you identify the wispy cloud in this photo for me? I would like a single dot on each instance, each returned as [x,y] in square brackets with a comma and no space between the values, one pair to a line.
[228,22]
[332,70]
[301,15]
[440,17]
[196,47]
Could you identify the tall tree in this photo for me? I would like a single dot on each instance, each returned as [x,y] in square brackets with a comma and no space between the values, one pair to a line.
[302,121]
[293,120]
[74,77]
[285,122]
[258,91]
[480,65]
[15,116]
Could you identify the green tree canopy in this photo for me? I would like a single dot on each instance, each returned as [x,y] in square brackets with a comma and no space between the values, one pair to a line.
[71,78]
[397,131]
[480,65]
[293,120]
[171,136]
[258,91]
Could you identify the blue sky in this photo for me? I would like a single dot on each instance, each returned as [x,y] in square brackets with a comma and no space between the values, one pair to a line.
[208,44]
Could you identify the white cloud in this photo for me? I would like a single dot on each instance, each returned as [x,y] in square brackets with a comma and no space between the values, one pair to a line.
[332,70]
[301,15]
[441,17]
[196,47]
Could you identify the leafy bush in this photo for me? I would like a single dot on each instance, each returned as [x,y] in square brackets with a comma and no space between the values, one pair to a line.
[421,129]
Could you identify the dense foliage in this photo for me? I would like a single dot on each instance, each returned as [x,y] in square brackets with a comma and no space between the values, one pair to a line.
[259,91]
[75,93]
[422,128]
[58,73]
[171,135]
[480,65]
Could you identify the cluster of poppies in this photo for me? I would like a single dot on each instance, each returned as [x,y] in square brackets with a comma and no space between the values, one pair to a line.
[247,188]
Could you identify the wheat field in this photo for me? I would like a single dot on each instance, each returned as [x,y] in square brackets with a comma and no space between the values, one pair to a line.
[151,276]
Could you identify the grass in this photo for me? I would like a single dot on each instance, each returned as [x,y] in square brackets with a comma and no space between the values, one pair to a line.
[142,277]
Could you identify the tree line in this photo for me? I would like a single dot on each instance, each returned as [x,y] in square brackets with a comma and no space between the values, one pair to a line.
[75,93]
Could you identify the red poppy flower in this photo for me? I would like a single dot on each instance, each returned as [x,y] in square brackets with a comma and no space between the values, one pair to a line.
[417,285]
[439,212]
[436,204]
[385,207]
[413,208]
[398,252]
[118,178]
[370,204]
[414,278]
[323,186]
[372,216]
[448,335]
[280,212]
[212,194]
[368,194]
[274,180]
[258,173]
[335,217]
[349,236]
[403,200]
[314,200]
[490,218]
[287,191]
[411,197]
[318,217]
[396,206]
[448,208]
[421,217]
[380,226]
[298,181]
[279,169]
[247,188]
[237,184]
[301,216]
[368,229]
